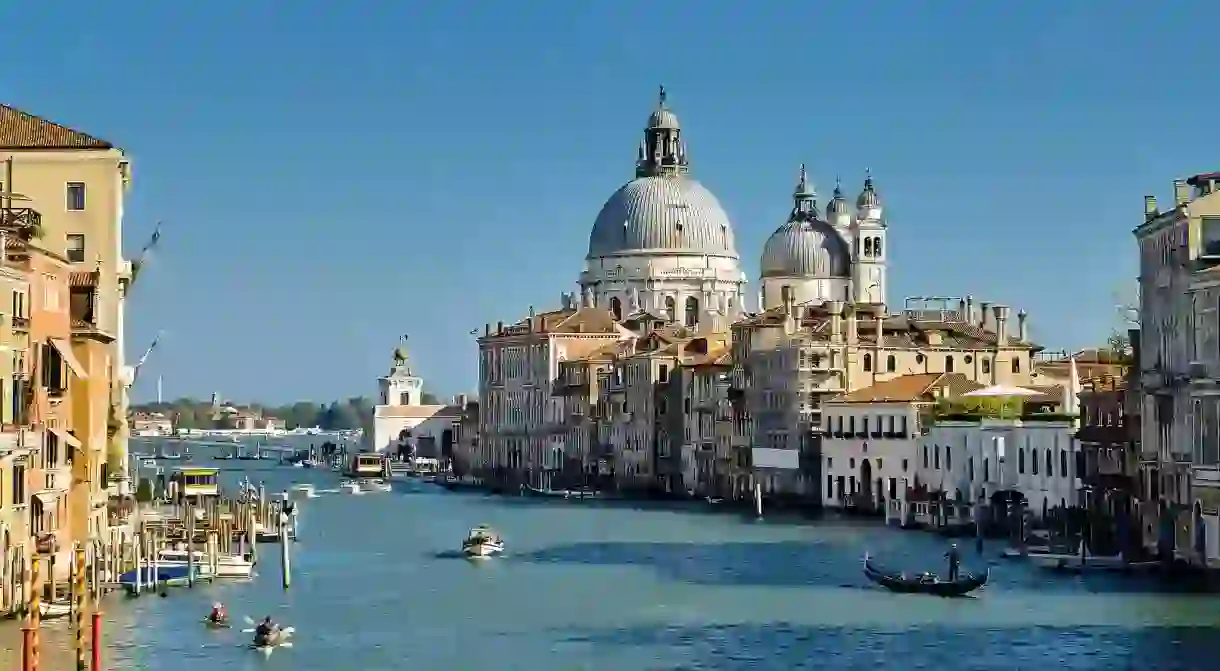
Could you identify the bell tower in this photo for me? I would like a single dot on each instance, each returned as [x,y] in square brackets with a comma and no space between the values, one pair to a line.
[401,386]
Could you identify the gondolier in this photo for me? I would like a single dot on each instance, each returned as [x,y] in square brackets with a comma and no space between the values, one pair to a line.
[955,561]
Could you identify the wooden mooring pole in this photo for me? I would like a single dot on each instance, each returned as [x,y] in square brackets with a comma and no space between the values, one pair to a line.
[79,596]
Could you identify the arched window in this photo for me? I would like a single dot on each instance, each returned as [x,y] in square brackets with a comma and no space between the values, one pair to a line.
[671,307]
[949,363]
[1021,461]
[1016,365]
[1050,463]
[876,246]
[986,364]
[1063,463]
[692,311]
[616,307]
[891,364]
[868,246]
[868,363]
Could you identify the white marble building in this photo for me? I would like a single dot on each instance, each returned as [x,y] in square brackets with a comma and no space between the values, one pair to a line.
[400,419]
[662,243]
[971,461]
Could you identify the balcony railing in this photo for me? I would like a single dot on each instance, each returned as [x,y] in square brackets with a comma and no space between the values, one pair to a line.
[25,220]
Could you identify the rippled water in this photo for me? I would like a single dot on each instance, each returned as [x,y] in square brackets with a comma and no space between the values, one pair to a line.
[376,586]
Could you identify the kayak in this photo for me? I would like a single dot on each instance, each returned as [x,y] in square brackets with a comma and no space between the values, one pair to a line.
[217,624]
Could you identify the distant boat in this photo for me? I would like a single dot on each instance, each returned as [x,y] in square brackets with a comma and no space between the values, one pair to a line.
[167,575]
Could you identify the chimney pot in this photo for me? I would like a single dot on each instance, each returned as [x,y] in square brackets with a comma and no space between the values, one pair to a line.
[1023,326]
[1150,209]
[1001,325]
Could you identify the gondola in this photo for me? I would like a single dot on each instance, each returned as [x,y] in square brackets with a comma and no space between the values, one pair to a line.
[926,583]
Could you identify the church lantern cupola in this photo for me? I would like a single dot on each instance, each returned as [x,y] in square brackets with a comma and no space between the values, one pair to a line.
[838,213]
[662,152]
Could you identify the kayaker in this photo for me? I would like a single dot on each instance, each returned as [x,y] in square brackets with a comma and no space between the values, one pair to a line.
[955,561]
[218,614]
[264,631]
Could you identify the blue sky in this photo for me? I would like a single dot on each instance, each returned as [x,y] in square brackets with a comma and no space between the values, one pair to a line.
[333,175]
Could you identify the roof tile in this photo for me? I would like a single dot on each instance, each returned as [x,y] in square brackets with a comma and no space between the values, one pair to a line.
[22,130]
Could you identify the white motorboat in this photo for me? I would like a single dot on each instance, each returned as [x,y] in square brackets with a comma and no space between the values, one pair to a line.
[227,566]
[51,610]
[377,485]
[482,542]
[350,487]
[1076,562]
[303,491]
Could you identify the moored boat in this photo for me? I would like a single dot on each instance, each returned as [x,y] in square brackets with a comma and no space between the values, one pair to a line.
[303,491]
[227,566]
[482,542]
[924,583]
[51,610]
[350,487]
[1077,562]
[376,485]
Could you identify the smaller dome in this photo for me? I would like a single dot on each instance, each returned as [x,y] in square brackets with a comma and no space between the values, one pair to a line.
[837,204]
[811,249]
[663,119]
[869,198]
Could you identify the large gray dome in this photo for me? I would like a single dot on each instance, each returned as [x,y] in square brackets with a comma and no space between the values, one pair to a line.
[662,214]
[809,249]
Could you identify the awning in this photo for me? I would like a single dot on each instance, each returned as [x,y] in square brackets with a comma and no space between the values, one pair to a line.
[65,352]
[49,496]
[67,438]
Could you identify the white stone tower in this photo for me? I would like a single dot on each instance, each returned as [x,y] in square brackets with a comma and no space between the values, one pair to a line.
[401,386]
[869,247]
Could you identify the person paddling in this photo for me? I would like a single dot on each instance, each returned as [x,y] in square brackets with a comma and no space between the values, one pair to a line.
[954,561]
[218,614]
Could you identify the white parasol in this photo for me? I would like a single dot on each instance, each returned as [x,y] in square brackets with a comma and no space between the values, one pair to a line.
[1001,391]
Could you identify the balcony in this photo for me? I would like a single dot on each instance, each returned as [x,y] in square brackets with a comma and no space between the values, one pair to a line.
[25,221]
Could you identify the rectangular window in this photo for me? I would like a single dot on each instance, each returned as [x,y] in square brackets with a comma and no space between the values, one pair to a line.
[76,196]
[76,247]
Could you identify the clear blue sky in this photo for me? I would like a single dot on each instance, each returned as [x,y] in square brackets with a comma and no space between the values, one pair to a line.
[335,174]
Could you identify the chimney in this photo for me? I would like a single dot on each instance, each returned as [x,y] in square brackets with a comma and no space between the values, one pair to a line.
[880,331]
[836,320]
[486,328]
[1023,326]
[460,401]
[853,326]
[985,317]
[1150,209]
[1181,192]
[499,328]
[1001,325]
[961,309]
[968,316]
[531,320]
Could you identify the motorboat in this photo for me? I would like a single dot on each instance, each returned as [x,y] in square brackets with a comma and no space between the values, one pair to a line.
[171,576]
[227,566]
[1087,562]
[350,487]
[482,542]
[924,583]
[303,491]
[51,610]
[376,485]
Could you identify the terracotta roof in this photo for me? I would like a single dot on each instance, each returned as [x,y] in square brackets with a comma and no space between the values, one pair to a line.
[22,130]
[418,411]
[87,279]
[718,354]
[900,331]
[912,388]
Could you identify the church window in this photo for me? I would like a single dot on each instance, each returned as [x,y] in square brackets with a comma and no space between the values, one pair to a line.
[918,358]
[986,365]
[891,364]
[692,312]
[949,363]
[1016,365]
[868,246]
[876,246]
[616,307]
[671,307]
[868,363]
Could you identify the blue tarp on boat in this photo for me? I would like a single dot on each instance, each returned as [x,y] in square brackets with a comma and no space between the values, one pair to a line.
[164,574]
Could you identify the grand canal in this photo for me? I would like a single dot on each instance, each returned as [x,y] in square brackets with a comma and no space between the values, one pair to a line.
[377,586]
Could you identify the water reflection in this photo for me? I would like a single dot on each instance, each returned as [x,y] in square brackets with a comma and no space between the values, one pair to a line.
[787,646]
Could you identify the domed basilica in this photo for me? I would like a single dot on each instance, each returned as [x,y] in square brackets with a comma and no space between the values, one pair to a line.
[662,244]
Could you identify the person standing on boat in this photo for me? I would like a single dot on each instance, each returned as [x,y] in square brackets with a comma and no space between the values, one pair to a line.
[218,614]
[955,561]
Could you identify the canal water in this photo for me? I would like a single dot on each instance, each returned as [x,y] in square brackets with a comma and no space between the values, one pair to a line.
[377,585]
